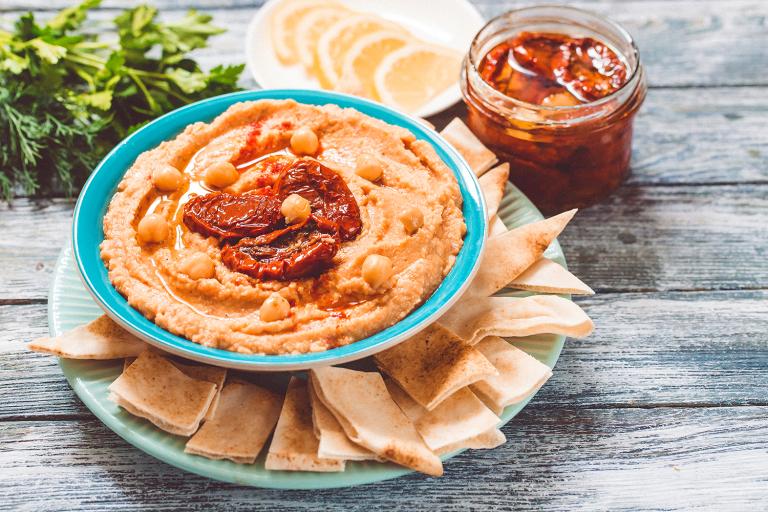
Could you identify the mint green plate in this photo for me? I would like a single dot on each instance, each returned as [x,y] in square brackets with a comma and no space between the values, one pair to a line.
[70,305]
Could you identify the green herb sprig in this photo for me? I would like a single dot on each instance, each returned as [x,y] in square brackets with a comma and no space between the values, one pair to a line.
[67,96]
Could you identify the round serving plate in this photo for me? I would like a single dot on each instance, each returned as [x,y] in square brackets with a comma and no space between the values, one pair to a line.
[71,305]
[450,23]
[88,233]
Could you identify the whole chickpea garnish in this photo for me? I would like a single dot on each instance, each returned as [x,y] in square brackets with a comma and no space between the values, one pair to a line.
[377,270]
[152,229]
[274,308]
[221,174]
[304,141]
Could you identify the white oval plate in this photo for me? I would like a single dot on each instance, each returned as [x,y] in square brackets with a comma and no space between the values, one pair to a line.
[450,23]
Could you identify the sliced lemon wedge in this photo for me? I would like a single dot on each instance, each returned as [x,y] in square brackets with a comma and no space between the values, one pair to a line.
[283,23]
[311,27]
[411,76]
[339,38]
[363,59]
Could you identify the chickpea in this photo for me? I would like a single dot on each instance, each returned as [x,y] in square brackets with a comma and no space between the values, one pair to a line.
[221,174]
[377,270]
[304,142]
[412,220]
[368,168]
[295,209]
[276,307]
[198,266]
[153,228]
[167,178]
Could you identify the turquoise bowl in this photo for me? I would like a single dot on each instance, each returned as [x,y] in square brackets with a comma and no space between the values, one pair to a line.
[88,233]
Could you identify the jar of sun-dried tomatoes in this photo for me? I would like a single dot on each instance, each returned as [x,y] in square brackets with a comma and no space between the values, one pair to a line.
[554,91]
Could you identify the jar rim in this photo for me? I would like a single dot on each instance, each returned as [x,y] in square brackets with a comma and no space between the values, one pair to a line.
[631,83]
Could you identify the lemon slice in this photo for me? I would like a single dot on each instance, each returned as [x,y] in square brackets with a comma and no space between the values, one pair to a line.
[283,24]
[364,57]
[411,76]
[311,27]
[335,43]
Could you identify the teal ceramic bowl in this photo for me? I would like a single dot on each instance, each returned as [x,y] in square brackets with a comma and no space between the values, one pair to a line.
[88,233]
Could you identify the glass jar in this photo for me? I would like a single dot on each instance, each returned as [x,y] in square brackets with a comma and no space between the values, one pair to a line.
[561,157]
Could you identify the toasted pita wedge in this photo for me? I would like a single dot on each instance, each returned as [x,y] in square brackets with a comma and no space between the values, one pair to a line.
[240,426]
[485,441]
[496,227]
[294,445]
[362,406]
[334,443]
[200,372]
[493,184]
[508,255]
[459,418]
[546,276]
[100,339]
[433,365]
[519,376]
[475,319]
[154,389]
[479,157]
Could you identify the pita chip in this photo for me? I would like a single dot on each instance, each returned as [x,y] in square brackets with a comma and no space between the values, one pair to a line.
[362,406]
[508,255]
[334,443]
[496,227]
[517,316]
[240,426]
[546,276]
[479,157]
[519,376]
[485,441]
[294,445]
[100,339]
[459,418]
[493,184]
[433,365]
[154,389]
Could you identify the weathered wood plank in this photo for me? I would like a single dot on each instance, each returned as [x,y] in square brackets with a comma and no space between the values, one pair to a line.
[683,43]
[666,238]
[641,238]
[577,459]
[648,350]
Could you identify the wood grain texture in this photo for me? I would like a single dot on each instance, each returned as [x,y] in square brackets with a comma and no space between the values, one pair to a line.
[649,350]
[564,459]
[683,43]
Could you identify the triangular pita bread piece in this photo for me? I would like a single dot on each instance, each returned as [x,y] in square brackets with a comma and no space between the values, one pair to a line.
[493,184]
[294,445]
[334,443]
[485,441]
[99,339]
[459,418]
[196,371]
[241,425]
[496,227]
[475,319]
[508,255]
[546,276]
[362,406]
[434,364]
[154,389]
[519,376]
[479,157]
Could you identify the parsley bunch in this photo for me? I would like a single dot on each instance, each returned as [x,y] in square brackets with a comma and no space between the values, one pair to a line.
[68,96]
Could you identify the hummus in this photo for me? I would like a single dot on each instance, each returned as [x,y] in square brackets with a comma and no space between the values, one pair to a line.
[203,254]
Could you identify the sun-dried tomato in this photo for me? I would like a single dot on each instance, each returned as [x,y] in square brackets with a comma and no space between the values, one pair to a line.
[256,240]
[292,255]
[228,216]
[334,208]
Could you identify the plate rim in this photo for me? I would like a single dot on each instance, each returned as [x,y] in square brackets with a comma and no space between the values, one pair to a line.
[259,18]
[97,283]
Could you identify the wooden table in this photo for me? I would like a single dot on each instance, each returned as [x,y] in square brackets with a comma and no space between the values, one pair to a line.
[664,407]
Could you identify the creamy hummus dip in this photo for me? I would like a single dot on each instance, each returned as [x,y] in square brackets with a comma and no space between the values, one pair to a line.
[283,228]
